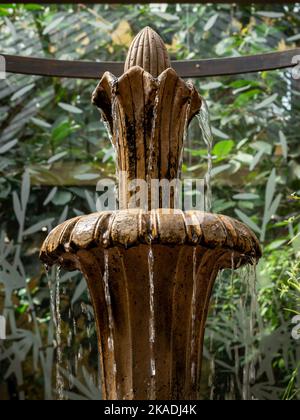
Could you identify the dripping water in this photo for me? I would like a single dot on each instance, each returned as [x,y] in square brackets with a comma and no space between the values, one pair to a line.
[251,312]
[151,152]
[245,318]
[185,136]
[193,329]
[59,379]
[152,390]
[212,375]
[54,290]
[205,127]
[111,343]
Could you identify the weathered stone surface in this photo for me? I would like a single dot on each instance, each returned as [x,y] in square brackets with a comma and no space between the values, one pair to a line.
[149,52]
[147,115]
[148,110]
[133,227]
[215,242]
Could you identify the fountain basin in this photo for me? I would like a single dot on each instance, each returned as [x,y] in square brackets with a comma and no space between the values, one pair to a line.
[133,227]
[130,292]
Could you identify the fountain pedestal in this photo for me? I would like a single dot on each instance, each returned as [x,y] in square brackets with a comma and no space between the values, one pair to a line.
[150,273]
[150,298]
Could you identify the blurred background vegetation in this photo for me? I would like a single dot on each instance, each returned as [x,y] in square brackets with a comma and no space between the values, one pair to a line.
[53,150]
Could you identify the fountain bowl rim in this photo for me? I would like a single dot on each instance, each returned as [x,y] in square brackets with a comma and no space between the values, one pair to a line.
[133,227]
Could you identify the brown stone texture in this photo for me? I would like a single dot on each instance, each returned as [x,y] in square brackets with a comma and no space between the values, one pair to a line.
[150,273]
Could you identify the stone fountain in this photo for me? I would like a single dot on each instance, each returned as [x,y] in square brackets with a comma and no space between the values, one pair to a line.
[150,272]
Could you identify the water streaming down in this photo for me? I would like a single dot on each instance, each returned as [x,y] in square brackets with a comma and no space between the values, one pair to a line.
[193,308]
[111,343]
[205,127]
[212,375]
[152,389]
[251,311]
[184,140]
[54,289]
[151,145]
[245,318]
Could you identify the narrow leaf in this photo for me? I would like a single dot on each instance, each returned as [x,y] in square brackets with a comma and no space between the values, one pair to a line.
[38,226]
[40,123]
[211,22]
[86,177]
[219,169]
[25,193]
[50,196]
[284,144]
[245,219]
[219,133]
[17,208]
[57,157]
[266,102]
[256,159]
[245,196]
[53,25]
[22,92]
[270,189]
[8,146]
[70,108]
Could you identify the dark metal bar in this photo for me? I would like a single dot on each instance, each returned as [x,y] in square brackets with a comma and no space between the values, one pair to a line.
[191,68]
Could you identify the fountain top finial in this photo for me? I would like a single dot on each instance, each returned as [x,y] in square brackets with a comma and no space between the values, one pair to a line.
[148,51]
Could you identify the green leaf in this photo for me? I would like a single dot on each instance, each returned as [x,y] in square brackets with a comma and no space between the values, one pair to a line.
[294,38]
[218,133]
[17,208]
[211,85]
[284,144]
[40,123]
[245,219]
[267,102]
[57,157]
[167,16]
[245,98]
[87,177]
[219,169]
[25,193]
[50,196]
[61,198]
[262,146]
[38,226]
[245,196]
[256,159]
[211,22]
[274,206]
[53,25]
[62,131]
[275,244]
[70,108]
[22,92]
[270,189]
[244,158]
[64,215]
[270,15]
[223,148]
[8,146]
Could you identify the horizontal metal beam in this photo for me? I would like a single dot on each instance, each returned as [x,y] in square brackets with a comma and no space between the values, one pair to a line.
[185,69]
